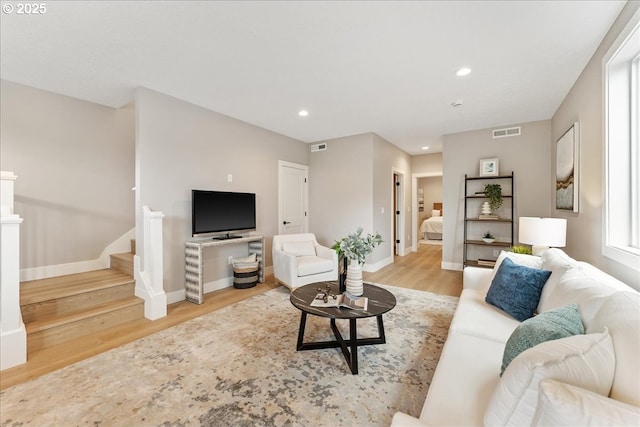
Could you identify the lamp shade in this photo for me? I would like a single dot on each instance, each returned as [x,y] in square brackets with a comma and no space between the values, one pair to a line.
[550,232]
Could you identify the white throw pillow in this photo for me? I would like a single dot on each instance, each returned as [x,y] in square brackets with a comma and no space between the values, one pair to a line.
[557,262]
[299,248]
[561,404]
[520,259]
[620,313]
[586,361]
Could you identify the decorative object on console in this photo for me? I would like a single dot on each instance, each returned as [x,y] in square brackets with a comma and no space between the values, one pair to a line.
[488,237]
[567,155]
[245,272]
[542,233]
[355,247]
[489,167]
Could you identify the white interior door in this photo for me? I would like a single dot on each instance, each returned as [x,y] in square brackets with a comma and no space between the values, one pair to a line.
[293,198]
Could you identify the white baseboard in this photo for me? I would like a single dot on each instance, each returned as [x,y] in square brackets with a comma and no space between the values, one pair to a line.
[13,348]
[226,282]
[122,244]
[451,266]
[179,295]
[175,296]
[45,271]
[372,268]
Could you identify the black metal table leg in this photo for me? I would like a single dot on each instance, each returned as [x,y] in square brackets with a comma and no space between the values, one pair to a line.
[303,322]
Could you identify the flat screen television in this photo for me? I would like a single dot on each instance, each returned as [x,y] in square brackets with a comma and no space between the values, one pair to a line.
[222,212]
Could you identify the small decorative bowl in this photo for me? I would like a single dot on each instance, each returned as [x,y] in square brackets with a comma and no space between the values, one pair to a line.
[486,240]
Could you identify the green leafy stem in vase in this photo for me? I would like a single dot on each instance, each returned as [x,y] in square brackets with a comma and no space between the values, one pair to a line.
[355,246]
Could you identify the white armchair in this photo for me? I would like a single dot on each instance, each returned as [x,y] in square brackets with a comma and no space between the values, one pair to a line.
[298,259]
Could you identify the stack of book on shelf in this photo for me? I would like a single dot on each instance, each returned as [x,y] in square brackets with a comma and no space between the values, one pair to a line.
[486,262]
[488,216]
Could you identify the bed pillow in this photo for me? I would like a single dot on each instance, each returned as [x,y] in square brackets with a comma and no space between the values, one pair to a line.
[299,248]
[558,323]
[435,212]
[586,361]
[516,289]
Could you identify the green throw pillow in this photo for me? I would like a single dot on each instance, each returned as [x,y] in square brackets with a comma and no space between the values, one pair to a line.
[554,324]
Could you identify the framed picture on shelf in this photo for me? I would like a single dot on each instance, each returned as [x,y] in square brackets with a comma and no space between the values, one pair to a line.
[489,167]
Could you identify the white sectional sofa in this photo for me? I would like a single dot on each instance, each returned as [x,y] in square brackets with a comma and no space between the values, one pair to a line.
[588,379]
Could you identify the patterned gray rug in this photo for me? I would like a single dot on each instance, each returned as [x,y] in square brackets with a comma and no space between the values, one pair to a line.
[238,367]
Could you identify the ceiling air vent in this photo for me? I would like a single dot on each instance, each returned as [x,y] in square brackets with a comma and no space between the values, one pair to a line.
[318,147]
[503,133]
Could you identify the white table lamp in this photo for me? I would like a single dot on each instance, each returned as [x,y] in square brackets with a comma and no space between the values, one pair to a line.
[542,233]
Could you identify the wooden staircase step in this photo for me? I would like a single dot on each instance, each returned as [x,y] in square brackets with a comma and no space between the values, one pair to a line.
[36,291]
[55,329]
[122,262]
[60,306]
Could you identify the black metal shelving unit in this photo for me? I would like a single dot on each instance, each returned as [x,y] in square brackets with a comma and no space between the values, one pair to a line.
[470,237]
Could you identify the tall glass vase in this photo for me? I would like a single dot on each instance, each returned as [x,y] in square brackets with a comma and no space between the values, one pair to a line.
[354,278]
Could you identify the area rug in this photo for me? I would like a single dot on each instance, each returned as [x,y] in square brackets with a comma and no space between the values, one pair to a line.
[238,367]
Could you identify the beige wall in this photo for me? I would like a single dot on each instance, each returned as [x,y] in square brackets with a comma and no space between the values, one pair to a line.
[180,147]
[387,159]
[350,184]
[526,155]
[75,166]
[340,188]
[426,163]
[584,104]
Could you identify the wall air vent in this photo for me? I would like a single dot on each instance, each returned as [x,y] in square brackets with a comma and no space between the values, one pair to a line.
[503,133]
[318,147]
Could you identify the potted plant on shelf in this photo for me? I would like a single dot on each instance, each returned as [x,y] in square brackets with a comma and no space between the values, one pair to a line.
[355,247]
[488,237]
[494,193]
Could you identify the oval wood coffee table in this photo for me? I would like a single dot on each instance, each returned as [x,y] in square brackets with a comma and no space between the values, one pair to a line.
[380,302]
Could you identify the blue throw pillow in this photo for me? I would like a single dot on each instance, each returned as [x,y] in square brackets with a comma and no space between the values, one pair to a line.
[516,289]
[554,324]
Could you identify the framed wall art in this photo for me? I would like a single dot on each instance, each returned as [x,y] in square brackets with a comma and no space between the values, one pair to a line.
[489,167]
[567,169]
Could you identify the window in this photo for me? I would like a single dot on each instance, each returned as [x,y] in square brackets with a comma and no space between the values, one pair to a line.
[621,240]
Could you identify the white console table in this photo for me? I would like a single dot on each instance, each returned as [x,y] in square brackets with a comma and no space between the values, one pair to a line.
[193,262]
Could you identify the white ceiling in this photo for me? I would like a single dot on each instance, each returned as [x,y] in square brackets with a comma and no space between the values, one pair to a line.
[383,67]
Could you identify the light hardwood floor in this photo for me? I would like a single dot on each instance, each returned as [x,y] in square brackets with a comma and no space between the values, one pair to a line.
[417,270]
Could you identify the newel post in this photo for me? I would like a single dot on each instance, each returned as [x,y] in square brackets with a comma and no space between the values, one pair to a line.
[13,335]
[150,275]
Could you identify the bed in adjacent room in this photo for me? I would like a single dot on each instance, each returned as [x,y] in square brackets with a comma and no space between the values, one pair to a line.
[431,228]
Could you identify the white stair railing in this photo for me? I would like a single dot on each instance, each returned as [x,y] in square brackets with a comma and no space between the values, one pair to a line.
[149,270]
[13,335]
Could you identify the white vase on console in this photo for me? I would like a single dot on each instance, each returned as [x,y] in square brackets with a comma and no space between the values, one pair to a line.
[486,210]
[354,284]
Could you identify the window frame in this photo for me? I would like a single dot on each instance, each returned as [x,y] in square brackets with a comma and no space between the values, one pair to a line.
[621,82]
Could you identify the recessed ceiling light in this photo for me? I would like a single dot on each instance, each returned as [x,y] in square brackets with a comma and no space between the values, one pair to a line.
[463,71]
[425,148]
[303,113]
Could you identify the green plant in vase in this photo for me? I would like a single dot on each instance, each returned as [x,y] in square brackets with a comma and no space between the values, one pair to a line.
[520,249]
[488,235]
[493,192]
[355,247]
